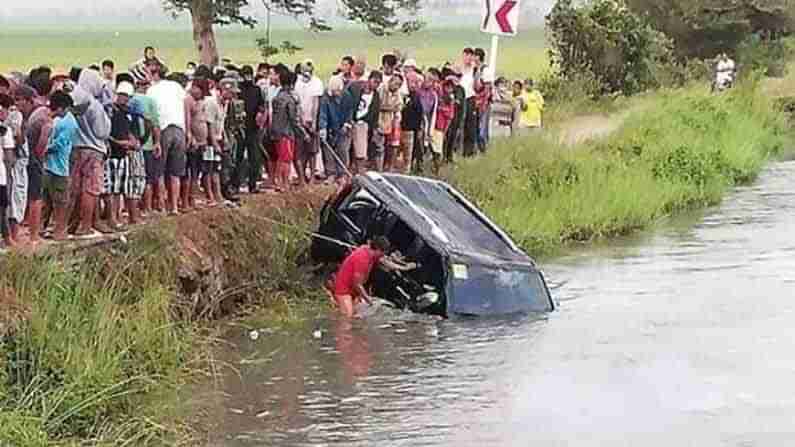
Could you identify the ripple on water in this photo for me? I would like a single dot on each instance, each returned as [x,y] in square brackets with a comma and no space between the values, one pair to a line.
[682,338]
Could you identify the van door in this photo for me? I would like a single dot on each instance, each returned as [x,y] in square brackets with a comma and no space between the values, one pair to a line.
[345,219]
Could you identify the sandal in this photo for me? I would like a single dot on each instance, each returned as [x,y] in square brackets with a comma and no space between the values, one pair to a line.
[104,228]
[87,234]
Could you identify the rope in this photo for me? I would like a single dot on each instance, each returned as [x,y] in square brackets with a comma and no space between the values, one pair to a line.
[308,233]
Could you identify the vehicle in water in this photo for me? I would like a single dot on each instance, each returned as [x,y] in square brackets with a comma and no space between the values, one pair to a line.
[467,265]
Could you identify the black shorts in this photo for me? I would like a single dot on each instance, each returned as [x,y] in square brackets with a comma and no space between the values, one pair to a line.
[35,179]
[307,149]
[3,196]
[211,167]
[154,167]
[270,150]
[194,162]
[172,139]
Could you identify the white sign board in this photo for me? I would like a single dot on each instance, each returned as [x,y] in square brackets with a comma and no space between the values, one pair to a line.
[500,17]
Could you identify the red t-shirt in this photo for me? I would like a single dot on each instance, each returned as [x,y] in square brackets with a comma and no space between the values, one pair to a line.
[361,261]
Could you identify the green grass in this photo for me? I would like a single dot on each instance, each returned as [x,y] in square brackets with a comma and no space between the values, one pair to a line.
[23,48]
[86,348]
[681,149]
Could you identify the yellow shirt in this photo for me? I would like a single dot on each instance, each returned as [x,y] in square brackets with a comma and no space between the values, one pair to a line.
[534,102]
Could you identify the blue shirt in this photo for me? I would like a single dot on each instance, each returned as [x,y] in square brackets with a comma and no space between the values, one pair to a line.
[59,147]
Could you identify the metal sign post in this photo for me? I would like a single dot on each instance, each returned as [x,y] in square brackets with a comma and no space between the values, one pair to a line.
[495,47]
[500,18]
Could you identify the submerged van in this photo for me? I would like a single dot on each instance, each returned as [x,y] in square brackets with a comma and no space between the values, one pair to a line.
[468,266]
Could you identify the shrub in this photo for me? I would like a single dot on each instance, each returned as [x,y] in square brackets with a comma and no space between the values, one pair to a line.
[607,40]
[768,56]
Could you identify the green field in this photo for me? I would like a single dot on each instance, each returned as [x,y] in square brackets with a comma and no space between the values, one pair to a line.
[23,48]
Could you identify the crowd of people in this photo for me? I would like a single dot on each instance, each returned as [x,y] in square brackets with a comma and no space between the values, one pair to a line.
[93,151]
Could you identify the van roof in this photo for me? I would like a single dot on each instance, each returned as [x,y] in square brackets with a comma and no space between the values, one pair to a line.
[443,216]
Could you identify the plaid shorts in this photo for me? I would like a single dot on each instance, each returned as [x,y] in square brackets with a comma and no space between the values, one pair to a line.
[117,173]
[136,180]
[86,172]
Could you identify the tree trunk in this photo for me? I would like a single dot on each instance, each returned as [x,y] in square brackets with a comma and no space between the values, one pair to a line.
[202,13]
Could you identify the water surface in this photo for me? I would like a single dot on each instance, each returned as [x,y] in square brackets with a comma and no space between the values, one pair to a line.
[676,338]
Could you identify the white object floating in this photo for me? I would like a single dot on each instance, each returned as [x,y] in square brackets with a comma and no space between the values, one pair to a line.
[237,411]
[318,334]
[253,335]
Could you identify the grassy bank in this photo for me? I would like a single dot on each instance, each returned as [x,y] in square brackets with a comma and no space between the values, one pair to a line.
[680,149]
[89,339]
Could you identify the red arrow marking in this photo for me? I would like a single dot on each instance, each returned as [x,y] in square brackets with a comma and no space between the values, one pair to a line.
[502,16]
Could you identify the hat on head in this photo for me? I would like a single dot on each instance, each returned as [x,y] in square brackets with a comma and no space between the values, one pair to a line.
[410,63]
[125,88]
[230,83]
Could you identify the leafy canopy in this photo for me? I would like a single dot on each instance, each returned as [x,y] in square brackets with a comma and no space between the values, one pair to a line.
[605,41]
[704,28]
[381,17]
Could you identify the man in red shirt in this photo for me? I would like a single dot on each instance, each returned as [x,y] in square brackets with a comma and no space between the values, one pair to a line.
[349,284]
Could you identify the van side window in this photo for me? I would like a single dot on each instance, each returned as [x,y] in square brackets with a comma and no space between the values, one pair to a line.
[358,208]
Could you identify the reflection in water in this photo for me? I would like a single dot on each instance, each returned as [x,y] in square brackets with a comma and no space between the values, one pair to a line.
[681,337]
[354,349]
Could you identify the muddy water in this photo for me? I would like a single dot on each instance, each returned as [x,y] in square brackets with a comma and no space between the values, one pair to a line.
[682,337]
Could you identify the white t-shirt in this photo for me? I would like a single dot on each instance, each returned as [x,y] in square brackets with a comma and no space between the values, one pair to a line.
[264,85]
[306,92]
[364,106]
[468,81]
[170,99]
[273,90]
[6,143]
[725,72]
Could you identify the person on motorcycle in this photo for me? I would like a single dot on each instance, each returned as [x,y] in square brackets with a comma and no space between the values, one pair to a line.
[725,73]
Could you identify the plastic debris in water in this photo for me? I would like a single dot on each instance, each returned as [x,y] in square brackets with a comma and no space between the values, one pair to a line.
[253,335]
[318,334]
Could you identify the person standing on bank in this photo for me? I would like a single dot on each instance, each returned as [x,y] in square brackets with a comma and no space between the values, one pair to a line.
[469,79]
[330,125]
[170,99]
[90,146]
[309,89]
[249,158]
[37,127]
[286,129]
[56,170]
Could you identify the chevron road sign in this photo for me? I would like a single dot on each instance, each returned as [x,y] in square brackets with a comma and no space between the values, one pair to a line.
[500,17]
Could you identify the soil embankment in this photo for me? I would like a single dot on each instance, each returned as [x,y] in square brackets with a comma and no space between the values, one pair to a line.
[92,330]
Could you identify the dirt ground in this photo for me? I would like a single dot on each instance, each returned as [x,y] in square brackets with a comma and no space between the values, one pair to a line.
[192,225]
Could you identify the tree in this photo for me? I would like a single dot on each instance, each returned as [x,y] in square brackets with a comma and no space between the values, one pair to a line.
[604,41]
[703,28]
[381,17]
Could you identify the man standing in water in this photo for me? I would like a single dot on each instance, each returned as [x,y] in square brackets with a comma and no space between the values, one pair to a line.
[350,283]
